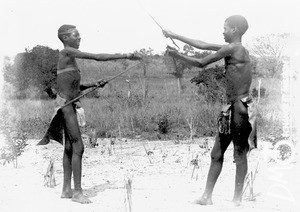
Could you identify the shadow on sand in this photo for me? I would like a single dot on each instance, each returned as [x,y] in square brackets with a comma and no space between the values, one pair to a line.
[93,191]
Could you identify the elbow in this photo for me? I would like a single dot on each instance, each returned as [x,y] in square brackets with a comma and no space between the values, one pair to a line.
[200,65]
[195,64]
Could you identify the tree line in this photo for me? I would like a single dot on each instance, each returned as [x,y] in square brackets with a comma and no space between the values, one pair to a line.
[34,71]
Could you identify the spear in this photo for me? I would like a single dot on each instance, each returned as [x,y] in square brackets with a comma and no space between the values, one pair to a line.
[94,88]
[158,24]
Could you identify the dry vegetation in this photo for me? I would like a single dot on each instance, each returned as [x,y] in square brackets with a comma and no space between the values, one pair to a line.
[146,105]
[162,168]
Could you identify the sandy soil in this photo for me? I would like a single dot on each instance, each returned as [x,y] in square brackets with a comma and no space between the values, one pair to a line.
[164,184]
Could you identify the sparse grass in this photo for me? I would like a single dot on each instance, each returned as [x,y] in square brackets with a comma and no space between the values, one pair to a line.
[32,116]
[161,114]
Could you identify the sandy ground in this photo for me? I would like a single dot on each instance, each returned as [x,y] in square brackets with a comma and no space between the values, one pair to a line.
[164,184]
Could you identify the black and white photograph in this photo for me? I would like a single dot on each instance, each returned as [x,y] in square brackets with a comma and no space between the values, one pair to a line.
[149,105]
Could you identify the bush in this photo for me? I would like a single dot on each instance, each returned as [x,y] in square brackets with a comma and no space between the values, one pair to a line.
[15,138]
[211,83]
[35,68]
[15,145]
[34,126]
[163,123]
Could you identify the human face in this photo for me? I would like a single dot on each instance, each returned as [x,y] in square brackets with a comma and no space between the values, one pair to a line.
[228,33]
[73,39]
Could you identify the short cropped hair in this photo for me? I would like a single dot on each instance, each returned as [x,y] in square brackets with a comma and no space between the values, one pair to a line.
[64,30]
[239,22]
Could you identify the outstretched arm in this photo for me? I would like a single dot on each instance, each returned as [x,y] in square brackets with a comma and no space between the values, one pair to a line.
[72,52]
[221,53]
[195,43]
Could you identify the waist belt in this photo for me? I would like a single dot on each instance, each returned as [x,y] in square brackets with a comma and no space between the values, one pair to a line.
[66,70]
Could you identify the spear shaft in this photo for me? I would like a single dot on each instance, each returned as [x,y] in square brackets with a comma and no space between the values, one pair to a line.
[94,88]
[159,25]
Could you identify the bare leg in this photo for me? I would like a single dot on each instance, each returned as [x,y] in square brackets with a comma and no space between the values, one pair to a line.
[77,149]
[241,171]
[241,129]
[217,156]
[67,167]
[77,171]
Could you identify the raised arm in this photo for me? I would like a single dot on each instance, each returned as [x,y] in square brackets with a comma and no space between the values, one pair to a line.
[221,53]
[195,43]
[72,52]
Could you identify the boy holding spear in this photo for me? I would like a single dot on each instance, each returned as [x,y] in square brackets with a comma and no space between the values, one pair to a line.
[69,88]
[233,122]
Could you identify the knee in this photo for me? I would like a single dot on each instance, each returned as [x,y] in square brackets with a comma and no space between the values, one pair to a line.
[240,157]
[78,149]
[216,156]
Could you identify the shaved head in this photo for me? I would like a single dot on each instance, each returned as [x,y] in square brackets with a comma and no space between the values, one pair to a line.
[65,30]
[239,22]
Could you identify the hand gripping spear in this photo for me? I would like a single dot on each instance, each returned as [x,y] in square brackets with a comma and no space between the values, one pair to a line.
[94,88]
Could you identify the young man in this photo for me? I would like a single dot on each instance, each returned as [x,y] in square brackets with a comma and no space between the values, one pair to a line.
[68,83]
[233,123]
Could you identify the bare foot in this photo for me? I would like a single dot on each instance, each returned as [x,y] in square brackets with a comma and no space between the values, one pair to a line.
[203,201]
[237,203]
[79,197]
[67,194]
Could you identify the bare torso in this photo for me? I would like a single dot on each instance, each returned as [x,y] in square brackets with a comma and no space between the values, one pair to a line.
[68,77]
[238,73]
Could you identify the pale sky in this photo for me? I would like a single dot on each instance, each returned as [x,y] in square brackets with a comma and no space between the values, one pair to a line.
[121,26]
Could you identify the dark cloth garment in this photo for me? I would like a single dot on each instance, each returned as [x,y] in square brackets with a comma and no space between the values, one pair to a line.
[55,130]
[225,121]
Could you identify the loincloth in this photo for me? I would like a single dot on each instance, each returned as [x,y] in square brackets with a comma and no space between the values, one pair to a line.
[60,101]
[224,121]
[55,130]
